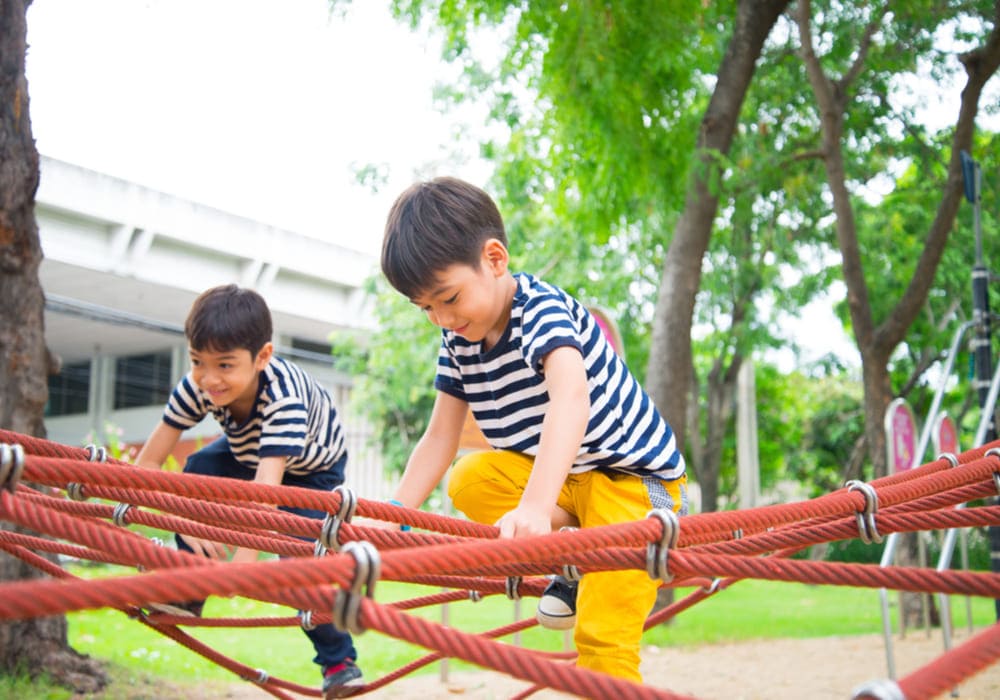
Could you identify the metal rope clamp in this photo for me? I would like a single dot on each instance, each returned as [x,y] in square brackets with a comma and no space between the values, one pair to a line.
[512,587]
[262,677]
[950,457]
[120,513]
[883,689]
[96,454]
[11,466]
[867,530]
[305,619]
[330,532]
[657,552]
[74,490]
[992,452]
[367,570]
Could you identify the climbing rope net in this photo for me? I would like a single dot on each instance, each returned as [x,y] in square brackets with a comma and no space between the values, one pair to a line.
[334,579]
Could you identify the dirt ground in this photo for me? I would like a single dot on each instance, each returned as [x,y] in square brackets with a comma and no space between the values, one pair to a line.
[817,669]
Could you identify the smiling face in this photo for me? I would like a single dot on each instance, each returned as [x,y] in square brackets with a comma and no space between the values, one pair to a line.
[474,302]
[229,377]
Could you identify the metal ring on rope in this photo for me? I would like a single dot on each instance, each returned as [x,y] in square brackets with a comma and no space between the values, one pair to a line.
[262,677]
[119,514]
[11,466]
[329,534]
[367,570]
[96,454]
[570,572]
[657,552]
[319,550]
[305,619]
[883,689]
[992,452]
[348,503]
[867,530]
[74,490]
[475,596]
[512,586]
[950,456]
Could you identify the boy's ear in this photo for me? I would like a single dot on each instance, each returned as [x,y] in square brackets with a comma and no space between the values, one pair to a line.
[264,356]
[496,257]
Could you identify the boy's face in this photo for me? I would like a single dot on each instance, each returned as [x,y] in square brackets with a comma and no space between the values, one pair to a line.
[229,377]
[474,302]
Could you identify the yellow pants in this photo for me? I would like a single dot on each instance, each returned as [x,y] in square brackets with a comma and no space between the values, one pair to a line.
[612,606]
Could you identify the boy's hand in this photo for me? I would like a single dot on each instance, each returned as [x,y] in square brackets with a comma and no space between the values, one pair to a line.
[524,522]
[206,548]
[244,556]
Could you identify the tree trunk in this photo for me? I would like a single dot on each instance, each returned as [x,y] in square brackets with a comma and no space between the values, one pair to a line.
[38,645]
[669,369]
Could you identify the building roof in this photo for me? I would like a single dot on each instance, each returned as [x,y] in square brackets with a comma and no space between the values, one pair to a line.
[123,263]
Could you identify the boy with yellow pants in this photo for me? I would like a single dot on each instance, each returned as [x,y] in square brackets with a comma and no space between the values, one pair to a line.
[576,441]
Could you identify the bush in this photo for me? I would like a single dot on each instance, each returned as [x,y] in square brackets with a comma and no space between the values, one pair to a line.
[857,552]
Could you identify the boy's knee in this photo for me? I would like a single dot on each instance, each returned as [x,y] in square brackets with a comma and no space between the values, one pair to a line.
[466,472]
[199,463]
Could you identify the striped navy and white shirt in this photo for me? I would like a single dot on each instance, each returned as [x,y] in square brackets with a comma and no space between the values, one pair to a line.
[504,386]
[293,417]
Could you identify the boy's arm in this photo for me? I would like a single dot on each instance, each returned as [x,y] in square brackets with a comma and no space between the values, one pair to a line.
[563,428]
[158,446]
[270,470]
[153,454]
[434,452]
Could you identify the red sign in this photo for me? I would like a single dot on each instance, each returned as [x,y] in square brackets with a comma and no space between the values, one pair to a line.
[945,436]
[900,435]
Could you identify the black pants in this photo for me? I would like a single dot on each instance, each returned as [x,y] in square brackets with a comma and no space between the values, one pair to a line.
[216,459]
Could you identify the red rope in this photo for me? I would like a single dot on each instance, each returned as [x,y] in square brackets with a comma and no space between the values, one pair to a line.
[453,554]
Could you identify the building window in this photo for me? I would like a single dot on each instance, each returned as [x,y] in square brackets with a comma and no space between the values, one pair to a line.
[69,391]
[311,350]
[142,380]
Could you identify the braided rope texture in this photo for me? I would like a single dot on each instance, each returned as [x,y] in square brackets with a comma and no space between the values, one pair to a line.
[50,490]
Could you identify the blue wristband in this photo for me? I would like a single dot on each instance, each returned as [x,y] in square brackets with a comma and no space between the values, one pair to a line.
[393,501]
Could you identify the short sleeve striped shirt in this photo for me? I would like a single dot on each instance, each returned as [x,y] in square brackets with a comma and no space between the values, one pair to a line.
[294,417]
[504,386]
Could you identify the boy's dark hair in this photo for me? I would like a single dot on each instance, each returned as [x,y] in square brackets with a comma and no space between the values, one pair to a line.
[433,225]
[228,318]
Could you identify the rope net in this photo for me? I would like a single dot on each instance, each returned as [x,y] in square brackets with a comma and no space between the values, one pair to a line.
[334,579]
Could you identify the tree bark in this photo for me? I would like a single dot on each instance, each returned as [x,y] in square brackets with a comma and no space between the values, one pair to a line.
[669,370]
[38,645]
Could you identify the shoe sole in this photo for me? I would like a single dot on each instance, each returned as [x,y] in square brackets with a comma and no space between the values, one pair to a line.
[344,689]
[555,622]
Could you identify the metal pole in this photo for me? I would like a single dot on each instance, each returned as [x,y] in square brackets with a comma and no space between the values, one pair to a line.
[982,346]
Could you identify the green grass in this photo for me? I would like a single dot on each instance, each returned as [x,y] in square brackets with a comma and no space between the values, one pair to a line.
[746,610]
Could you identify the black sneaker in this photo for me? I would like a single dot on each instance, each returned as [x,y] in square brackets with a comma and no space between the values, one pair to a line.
[557,606]
[188,608]
[340,677]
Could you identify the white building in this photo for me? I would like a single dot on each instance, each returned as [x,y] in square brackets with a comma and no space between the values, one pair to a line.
[122,265]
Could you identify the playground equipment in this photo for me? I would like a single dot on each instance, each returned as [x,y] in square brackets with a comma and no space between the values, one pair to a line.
[900,423]
[972,180]
[90,504]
